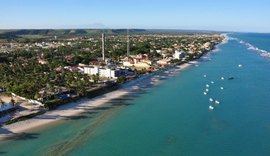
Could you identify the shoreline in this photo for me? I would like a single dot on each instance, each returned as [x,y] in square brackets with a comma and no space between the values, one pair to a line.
[75,108]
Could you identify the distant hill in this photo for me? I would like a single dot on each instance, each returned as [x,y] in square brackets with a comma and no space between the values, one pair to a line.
[50,32]
[117,31]
[7,36]
[46,32]
[11,34]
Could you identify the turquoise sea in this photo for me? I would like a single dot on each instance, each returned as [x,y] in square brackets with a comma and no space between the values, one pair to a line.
[173,118]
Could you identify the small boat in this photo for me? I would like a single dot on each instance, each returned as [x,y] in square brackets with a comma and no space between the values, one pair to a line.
[211,107]
[230,78]
[204,76]
[211,100]
[207,90]
[222,78]
[205,93]
[222,88]
[217,102]
[240,65]
[212,82]
[207,85]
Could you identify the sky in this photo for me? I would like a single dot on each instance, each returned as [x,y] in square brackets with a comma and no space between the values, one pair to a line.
[220,15]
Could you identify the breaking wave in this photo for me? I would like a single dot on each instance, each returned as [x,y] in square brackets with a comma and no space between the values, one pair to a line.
[249,46]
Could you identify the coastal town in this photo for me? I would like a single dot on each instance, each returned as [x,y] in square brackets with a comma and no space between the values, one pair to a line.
[134,78]
[38,75]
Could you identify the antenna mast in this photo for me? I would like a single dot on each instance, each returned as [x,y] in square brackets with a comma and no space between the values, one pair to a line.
[103,46]
[128,42]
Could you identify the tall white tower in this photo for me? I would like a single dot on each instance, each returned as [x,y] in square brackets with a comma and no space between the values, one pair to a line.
[103,46]
[128,42]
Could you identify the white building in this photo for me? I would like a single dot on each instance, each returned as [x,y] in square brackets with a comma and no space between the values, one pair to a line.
[178,54]
[90,70]
[105,72]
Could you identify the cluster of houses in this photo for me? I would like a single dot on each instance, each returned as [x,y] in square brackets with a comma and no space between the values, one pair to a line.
[113,71]
[138,62]
[54,43]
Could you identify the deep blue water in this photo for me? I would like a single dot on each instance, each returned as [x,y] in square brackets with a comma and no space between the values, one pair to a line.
[261,41]
[173,119]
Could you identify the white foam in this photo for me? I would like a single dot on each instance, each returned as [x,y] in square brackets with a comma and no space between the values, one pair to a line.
[249,46]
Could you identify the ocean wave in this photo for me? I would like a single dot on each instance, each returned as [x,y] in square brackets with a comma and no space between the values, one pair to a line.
[249,46]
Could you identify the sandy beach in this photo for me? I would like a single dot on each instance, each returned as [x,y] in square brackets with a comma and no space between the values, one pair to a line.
[76,108]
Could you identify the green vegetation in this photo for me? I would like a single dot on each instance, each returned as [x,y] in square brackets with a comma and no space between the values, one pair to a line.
[46,67]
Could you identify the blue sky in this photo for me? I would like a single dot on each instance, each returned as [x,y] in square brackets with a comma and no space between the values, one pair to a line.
[232,15]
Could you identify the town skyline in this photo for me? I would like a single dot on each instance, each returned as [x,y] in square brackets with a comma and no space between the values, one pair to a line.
[237,16]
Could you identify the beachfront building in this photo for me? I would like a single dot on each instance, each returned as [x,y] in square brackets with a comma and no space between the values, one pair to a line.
[140,61]
[106,72]
[163,62]
[207,46]
[53,91]
[178,54]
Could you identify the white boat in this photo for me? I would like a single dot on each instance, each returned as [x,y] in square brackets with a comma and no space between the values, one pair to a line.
[211,100]
[212,82]
[217,102]
[207,85]
[204,76]
[207,90]
[211,107]
[222,88]
[205,93]
[222,78]
[240,65]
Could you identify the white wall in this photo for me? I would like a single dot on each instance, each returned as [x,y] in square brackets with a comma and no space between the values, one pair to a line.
[103,72]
